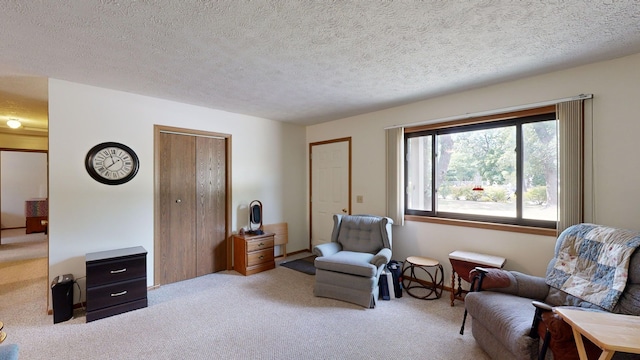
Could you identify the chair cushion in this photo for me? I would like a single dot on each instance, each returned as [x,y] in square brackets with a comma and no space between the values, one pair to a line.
[348,262]
[360,234]
[348,282]
[509,317]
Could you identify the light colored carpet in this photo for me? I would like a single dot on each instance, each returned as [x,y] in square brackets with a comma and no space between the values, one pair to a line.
[270,315]
[19,272]
[16,245]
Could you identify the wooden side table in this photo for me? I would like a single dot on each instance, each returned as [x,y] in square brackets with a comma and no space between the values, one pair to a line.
[462,262]
[610,332]
[280,236]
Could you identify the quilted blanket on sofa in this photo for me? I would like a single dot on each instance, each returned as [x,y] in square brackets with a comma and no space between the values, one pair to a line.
[592,263]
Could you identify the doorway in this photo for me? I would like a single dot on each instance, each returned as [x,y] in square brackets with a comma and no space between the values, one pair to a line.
[192,203]
[330,183]
[23,205]
[26,99]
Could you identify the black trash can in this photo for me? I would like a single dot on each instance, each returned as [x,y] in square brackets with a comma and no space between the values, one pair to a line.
[62,297]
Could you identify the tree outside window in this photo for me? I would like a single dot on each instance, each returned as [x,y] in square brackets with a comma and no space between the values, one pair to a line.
[504,172]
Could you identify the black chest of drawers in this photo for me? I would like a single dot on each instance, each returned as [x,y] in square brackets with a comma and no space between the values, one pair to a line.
[116,282]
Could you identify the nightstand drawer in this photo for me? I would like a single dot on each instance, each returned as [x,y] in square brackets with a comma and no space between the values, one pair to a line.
[259,257]
[114,294]
[114,271]
[260,244]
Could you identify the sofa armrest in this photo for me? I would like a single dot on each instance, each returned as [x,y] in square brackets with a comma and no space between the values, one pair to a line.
[528,286]
[542,306]
[382,257]
[326,249]
[489,278]
[511,282]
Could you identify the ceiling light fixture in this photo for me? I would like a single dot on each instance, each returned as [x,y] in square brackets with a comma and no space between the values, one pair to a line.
[13,123]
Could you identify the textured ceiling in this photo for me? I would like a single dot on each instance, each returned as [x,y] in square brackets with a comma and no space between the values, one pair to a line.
[307,61]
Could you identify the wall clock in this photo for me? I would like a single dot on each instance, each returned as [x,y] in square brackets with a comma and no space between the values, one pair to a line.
[112,163]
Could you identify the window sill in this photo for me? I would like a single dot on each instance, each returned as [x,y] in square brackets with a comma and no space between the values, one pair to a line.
[483,225]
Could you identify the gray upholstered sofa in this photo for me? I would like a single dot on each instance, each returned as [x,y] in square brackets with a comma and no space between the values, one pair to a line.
[348,268]
[502,316]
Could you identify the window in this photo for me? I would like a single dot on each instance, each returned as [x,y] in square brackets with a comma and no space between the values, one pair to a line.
[500,171]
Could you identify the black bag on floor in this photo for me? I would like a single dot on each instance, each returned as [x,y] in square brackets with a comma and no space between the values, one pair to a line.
[395,267]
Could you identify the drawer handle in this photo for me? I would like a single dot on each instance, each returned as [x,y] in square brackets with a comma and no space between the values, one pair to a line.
[261,244]
[261,257]
[119,294]
[118,271]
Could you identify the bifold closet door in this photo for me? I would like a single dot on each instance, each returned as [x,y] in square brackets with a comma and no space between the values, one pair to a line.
[192,182]
[211,246]
[177,184]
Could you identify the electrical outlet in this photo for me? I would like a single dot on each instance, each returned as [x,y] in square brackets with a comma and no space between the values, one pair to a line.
[359,199]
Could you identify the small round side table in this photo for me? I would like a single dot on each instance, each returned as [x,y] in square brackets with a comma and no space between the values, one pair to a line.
[430,289]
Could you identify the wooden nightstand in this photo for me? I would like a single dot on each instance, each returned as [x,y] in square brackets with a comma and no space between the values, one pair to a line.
[253,253]
[116,282]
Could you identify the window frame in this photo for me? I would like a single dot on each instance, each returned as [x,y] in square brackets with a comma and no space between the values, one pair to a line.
[517,119]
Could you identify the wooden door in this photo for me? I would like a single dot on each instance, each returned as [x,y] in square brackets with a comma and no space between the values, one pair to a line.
[177,227]
[330,186]
[211,249]
[191,211]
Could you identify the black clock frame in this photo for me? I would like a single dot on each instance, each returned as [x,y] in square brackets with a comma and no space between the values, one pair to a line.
[88,163]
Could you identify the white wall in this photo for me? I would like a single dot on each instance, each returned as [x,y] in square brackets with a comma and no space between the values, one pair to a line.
[86,216]
[616,172]
[23,176]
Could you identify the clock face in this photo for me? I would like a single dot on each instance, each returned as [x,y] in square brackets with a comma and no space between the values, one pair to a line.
[112,163]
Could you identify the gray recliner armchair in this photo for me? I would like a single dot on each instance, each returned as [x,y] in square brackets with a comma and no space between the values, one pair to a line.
[588,261]
[348,268]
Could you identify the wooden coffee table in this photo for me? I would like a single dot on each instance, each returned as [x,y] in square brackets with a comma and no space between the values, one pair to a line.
[610,332]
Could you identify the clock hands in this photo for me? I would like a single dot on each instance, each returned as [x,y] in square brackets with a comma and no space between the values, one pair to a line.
[111,157]
[114,162]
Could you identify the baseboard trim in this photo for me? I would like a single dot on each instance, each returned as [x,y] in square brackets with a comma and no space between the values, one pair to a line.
[297,252]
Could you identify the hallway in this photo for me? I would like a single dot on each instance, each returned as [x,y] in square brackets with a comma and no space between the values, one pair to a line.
[23,264]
